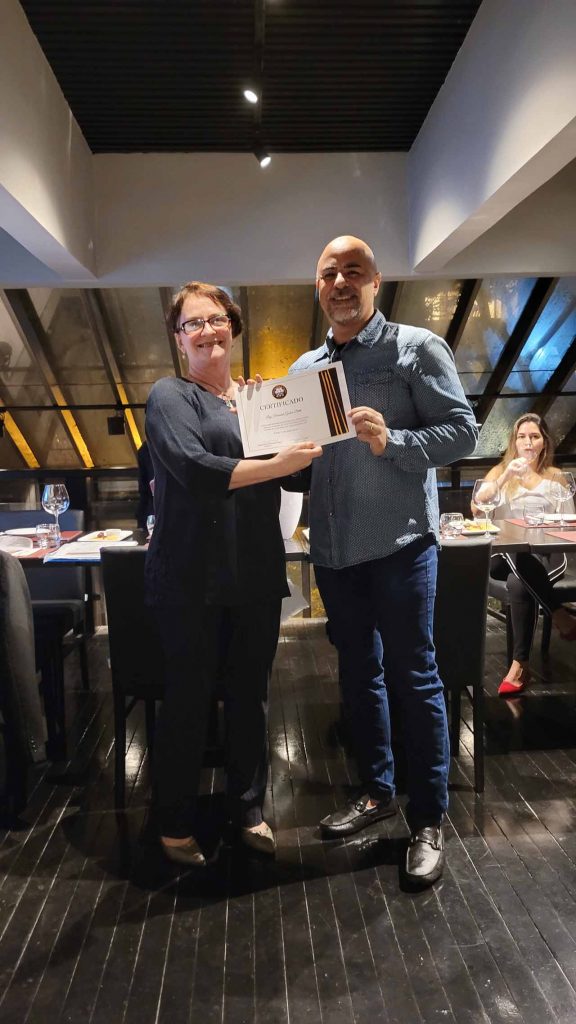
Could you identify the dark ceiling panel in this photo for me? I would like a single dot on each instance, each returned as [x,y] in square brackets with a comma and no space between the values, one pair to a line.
[167,75]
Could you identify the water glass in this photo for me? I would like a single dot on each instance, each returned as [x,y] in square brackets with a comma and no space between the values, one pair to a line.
[451,524]
[54,535]
[42,535]
[534,512]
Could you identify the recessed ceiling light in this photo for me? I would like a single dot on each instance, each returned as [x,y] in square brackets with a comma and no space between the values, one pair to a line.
[250,95]
[263,158]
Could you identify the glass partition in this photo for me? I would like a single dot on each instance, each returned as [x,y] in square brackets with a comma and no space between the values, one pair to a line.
[492,319]
[549,339]
[428,304]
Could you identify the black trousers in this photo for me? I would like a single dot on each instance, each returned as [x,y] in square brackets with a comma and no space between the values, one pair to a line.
[530,582]
[201,644]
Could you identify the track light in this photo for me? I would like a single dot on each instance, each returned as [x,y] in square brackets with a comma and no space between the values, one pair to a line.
[262,156]
[116,423]
[250,95]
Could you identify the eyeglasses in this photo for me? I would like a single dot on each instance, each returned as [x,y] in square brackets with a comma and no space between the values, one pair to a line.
[217,321]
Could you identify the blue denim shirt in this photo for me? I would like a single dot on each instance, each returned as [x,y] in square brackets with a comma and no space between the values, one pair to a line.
[363,506]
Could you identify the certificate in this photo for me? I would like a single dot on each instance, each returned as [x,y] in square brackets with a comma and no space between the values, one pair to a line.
[307,406]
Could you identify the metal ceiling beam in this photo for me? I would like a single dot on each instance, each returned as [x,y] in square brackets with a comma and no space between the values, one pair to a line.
[13,431]
[166,300]
[101,329]
[537,299]
[27,323]
[462,313]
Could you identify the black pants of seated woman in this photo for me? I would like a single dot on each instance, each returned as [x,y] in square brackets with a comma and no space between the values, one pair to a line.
[530,582]
[192,638]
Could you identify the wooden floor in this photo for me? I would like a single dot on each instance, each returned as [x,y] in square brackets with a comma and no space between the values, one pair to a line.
[96,927]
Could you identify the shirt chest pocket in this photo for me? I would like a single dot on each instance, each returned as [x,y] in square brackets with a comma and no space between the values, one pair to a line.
[383,390]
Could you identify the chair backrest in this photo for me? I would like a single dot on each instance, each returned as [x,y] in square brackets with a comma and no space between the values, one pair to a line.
[135,651]
[460,612]
[46,583]
[19,695]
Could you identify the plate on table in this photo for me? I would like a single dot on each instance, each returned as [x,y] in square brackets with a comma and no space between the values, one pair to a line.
[110,536]
[474,528]
[553,517]
[21,531]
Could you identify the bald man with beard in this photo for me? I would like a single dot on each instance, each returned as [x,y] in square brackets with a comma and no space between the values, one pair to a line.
[373,539]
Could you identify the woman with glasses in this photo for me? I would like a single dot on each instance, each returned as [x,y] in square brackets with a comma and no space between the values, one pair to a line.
[526,475]
[215,574]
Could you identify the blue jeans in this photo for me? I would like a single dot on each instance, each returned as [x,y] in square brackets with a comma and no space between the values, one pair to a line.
[381,619]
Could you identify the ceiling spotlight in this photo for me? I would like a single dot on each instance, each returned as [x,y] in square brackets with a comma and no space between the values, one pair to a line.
[250,95]
[262,156]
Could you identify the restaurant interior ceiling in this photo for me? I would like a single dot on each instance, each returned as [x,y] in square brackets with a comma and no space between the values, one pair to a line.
[163,75]
[134,155]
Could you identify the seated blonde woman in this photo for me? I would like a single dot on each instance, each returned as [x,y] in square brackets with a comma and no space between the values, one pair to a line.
[526,473]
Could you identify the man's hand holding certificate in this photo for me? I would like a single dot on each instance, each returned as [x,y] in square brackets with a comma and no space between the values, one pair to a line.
[308,406]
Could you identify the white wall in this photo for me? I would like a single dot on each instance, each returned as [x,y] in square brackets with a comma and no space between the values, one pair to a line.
[503,124]
[538,237]
[46,190]
[165,218]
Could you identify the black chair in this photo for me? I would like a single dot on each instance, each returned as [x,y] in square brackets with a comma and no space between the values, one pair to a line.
[23,725]
[460,636]
[135,654]
[566,588]
[59,597]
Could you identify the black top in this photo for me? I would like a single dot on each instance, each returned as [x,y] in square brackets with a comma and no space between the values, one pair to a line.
[145,475]
[209,544]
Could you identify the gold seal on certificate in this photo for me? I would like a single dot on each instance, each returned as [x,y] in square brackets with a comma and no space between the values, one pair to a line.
[307,406]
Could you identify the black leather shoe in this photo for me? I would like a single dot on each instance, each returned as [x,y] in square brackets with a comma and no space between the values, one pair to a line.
[425,856]
[356,816]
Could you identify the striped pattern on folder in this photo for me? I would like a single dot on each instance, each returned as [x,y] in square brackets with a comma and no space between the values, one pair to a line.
[333,401]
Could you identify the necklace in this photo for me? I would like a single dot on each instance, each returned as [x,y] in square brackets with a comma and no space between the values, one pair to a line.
[229,402]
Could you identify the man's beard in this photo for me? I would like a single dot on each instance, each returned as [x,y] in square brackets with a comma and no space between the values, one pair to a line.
[342,314]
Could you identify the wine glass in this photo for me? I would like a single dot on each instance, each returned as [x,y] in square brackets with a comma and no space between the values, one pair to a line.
[486,497]
[55,500]
[563,488]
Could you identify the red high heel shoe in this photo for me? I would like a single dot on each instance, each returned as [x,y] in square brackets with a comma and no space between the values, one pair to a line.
[512,687]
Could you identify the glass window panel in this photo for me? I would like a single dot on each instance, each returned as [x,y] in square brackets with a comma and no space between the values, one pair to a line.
[561,417]
[492,319]
[570,384]
[474,382]
[138,334]
[280,322]
[48,439]
[76,361]
[10,457]
[428,304]
[17,367]
[70,344]
[496,430]
[548,341]
[105,449]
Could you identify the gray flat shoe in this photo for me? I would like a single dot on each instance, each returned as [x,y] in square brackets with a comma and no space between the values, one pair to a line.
[188,853]
[262,840]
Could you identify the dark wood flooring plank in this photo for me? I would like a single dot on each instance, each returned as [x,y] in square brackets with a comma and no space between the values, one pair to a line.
[269,959]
